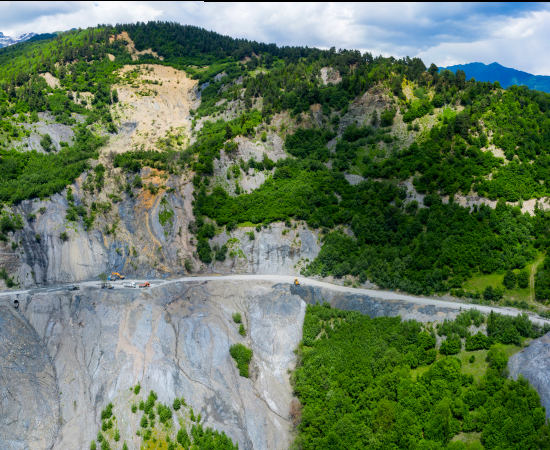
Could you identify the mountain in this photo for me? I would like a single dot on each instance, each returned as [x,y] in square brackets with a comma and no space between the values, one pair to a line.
[171,154]
[504,75]
[43,36]
[8,40]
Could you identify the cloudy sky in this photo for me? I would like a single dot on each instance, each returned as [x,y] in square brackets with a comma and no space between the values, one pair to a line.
[513,34]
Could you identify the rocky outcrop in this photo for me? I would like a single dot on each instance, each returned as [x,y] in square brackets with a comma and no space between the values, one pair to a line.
[533,363]
[374,307]
[276,250]
[172,339]
[29,400]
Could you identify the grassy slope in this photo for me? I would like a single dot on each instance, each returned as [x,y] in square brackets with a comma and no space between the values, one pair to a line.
[480,282]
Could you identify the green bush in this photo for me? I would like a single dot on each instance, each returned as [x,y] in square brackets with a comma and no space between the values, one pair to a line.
[523,279]
[451,346]
[144,423]
[107,412]
[242,330]
[509,280]
[242,356]
[478,341]
[237,317]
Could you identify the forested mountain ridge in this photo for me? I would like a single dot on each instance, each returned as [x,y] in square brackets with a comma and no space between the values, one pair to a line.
[504,75]
[423,150]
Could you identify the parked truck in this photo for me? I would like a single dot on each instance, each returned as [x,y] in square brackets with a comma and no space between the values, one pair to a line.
[144,285]
[129,284]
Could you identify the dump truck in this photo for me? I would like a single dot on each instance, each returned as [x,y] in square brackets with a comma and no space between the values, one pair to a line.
[115,276]
[296,282]
[129,285]
[144,285]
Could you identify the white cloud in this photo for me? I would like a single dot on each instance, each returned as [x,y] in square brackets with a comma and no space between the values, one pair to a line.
[515,35]
[520,43]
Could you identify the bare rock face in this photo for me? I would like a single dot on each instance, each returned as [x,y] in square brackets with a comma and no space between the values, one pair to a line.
[29,400]
[275,250]
[173,339]
[374,307]
[533,363]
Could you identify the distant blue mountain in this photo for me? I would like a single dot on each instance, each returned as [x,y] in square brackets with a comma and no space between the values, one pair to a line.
[504,75]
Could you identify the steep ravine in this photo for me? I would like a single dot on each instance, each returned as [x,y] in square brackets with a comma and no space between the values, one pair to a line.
[78,351]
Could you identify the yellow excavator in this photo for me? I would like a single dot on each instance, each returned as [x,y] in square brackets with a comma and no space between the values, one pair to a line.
[296,282]
[114,276]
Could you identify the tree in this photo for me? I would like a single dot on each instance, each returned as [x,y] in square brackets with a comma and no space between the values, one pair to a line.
[488,293]
[509,280]
[374,118]
[523,279]
[103,278]
[433,69]
[46,142]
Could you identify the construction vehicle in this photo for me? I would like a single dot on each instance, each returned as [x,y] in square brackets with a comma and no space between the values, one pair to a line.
[296,282]
[129,284]
[115,276]
[145,285]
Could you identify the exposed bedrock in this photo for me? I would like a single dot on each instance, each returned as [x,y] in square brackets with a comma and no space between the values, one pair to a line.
[533,363]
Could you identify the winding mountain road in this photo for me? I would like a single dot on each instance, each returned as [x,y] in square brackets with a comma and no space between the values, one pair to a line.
[378,294]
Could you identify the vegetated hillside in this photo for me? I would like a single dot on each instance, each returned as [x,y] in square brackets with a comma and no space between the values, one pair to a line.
[380,383]
[339,141]
[167,149]
[504,75]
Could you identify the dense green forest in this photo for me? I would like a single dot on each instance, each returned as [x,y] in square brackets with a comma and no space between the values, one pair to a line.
[379,384]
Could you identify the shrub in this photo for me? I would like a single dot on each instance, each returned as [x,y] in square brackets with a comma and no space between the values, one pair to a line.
[144,422]
[46,142]
[177,404]
[451,346]
[107,412]
[164,412]
[237,317]
[523,279]
[477,342]
[242,356]
[93,445]
[242,330]
[183,438]
[510,280]
[64,236]
[498,360]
